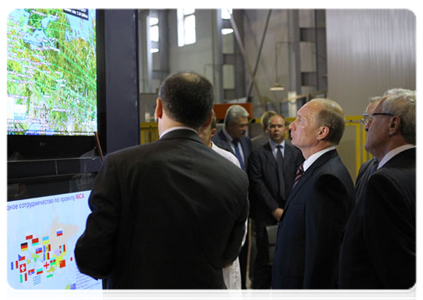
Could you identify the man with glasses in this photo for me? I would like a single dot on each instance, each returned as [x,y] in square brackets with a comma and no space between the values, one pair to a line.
[369,166]
[379,247]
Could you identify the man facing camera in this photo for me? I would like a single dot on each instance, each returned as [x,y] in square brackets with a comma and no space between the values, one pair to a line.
[170,214]
[271,170]
[233,135]
[379,248]
[319,204]
[233,139]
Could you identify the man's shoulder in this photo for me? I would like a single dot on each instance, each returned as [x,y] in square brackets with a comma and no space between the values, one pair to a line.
[226,154]
[262,150]
[220,139]
[331,164]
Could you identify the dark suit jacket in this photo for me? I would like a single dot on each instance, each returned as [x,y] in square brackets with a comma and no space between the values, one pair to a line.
[379,248]
[363,178]
[264,183]
[312,226]
[169,214]
[260,140]
[221,141]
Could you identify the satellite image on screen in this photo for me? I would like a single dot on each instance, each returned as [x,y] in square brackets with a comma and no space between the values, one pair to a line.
[51,72]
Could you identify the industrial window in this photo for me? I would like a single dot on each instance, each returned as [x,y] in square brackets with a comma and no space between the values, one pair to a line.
[154,34]
[226,15]
[186,27]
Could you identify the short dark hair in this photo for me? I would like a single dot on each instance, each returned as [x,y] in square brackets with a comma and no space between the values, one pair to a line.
[187,98]
[332,116]
[265,118]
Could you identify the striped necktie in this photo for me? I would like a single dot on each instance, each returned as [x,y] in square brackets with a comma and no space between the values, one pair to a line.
[300,172]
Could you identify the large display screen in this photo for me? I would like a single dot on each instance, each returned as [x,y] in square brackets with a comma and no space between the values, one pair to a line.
[51,72]
[42,233]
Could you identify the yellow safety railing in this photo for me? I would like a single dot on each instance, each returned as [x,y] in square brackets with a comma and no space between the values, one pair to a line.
[149,132]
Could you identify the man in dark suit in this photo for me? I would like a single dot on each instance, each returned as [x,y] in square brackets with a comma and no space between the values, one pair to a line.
[170,214]
[271,172]
[369,166]
[233,139]
[233,135]
[316,212]
[263,138]
[379,248]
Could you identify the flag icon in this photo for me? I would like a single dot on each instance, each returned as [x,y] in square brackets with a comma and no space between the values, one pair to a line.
[38,250]
[62,264]
[39,271]
[22,268]
[45,240]
[29,237]
[31,272]
[21,258]
[24,246]
[59,232]
[35,241]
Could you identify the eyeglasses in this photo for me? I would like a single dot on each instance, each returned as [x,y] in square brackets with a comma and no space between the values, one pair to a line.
[368,118]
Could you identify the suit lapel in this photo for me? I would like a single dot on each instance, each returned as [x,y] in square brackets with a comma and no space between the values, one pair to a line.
[269,155]
[225,145]
[307,174]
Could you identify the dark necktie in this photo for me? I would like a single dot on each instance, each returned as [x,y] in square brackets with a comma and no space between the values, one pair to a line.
[279,158]
[300,172]
[374,166]
[238,153]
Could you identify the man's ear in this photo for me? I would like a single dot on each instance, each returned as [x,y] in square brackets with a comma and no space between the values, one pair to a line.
[208,120]
[394,125]
[213,132]
[323,132]
[159,108]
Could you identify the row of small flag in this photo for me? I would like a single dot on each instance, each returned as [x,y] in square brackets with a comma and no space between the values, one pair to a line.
[35,241]
[45,248]
[24,274]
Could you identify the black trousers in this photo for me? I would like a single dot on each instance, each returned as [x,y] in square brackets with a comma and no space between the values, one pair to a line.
[262,278]
[243,258]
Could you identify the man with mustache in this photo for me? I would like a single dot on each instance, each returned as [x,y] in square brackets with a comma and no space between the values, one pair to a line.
[233,138]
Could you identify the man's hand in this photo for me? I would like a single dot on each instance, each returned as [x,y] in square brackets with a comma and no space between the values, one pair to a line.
[277,214]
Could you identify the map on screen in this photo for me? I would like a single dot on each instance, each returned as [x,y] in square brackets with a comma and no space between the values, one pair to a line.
[42,233]
[51,72]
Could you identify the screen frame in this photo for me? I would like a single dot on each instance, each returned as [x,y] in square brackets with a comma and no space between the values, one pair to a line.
[30,147]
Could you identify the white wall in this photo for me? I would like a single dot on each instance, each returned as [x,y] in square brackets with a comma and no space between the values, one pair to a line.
[197,57]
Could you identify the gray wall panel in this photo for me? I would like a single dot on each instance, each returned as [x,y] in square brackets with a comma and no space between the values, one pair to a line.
[369,51]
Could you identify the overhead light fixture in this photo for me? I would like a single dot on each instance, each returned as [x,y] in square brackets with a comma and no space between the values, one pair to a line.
[276,87]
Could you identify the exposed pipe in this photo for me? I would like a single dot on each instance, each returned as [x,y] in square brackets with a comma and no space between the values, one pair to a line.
[241,48]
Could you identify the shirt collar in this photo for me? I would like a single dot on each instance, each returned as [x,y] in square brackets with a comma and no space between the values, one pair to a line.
[309,161]
[177,128]
[393,153]
[273,144]
[228,137]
